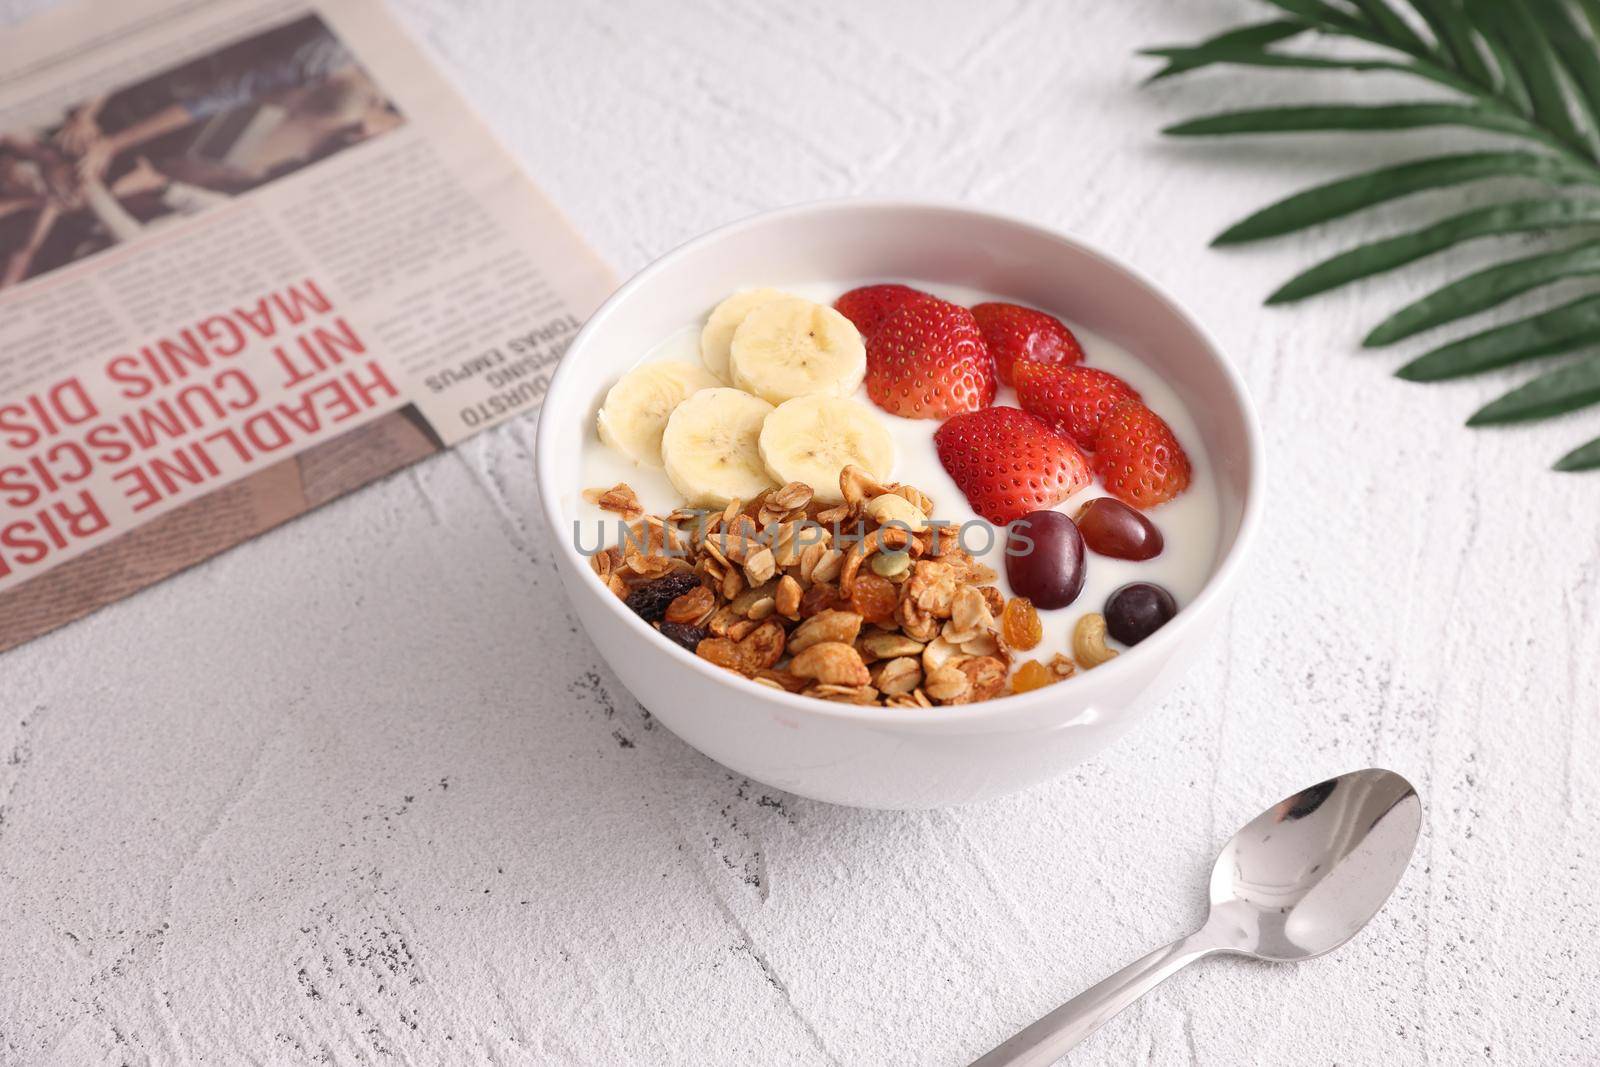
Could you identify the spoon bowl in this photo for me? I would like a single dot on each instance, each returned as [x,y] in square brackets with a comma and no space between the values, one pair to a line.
[1303,876]
[1299,880]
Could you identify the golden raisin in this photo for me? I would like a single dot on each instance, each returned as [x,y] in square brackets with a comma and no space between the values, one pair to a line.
[823,596]
[1032,675]
[1019,624]
[874,598]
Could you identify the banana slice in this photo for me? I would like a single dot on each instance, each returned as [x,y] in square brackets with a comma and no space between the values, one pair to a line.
[811,439]
[712,446]
[725,318]
[793,347]
[636,408]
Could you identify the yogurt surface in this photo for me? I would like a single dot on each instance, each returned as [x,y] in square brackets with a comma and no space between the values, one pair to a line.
[1190,524]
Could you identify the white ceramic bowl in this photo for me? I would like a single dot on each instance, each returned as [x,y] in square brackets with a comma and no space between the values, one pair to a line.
[870,756]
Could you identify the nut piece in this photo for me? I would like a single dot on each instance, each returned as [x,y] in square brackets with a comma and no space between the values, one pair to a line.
[792,496]
[787,597]
[986,677]
[760,648]
[721,651]
[915,496]
[692,606]
[893,508]
[914,699]
[832,663]
[891,565]
[856,485]
[782,679]
[830,625]
[843,694]
[932,587]
[763,647]
[830,561]
[969,616]
[746,600]
[760,565]
[918,625]
[1089,641]
[886,644]
[620,498]
[938,653]
[884,537]
[898,676]
[947,683]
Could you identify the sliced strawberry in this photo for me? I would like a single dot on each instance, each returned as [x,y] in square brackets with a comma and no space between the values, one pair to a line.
[928,361]
[1009,463]
[869,305]
[1073,399]
[1015,333]
[1138,458]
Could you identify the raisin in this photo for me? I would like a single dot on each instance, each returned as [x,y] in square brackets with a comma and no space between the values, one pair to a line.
[1019,624]
[681,633]
[874,598]
[824,596]
[1032,675]
[650,600]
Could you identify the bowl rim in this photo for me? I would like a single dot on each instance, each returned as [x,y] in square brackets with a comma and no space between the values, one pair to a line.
[1107,675]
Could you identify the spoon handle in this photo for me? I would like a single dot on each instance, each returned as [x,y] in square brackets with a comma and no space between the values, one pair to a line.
[1048,1039]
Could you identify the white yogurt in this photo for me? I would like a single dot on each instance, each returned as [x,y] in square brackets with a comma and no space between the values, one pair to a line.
[1190,524]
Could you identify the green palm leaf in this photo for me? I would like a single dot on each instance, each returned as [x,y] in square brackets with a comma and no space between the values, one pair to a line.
[1349,195]
[1585,458]
[1579,60]
[1382,18]
[1572,387]
[1449,29]
[1528,69]
[1532,61]
[1484,290]
[1317,13]
[1559,330]
[1510,86]
[1258,35]
[1202,55]
[1359,118]
[1390,253]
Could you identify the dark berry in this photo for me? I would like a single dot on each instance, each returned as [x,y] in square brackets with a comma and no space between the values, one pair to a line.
[650,600]
[681,633]
[1136,611]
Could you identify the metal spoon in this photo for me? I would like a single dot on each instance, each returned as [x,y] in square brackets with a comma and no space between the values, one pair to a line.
[1298,881]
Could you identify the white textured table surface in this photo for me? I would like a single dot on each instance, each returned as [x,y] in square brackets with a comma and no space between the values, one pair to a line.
[389,805]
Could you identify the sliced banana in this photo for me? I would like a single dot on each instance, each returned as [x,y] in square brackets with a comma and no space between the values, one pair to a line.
[793,347]
[712,446]
[636,408]
[725,318]
[811,439]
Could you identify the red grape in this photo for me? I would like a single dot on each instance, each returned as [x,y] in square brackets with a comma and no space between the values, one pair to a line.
[1045,559]
[1112,528]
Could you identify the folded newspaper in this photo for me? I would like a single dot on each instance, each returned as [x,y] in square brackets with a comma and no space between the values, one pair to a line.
[253,255]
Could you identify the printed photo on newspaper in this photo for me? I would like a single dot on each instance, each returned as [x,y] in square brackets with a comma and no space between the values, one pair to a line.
[253,255]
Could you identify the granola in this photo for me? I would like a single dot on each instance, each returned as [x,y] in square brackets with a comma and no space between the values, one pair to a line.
[861,602]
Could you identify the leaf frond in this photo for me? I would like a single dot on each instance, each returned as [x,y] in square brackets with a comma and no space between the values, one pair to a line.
[1577,385]
[1348,195]
[1486,289]
[1563,329]
[1391,253]
[1528,69]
